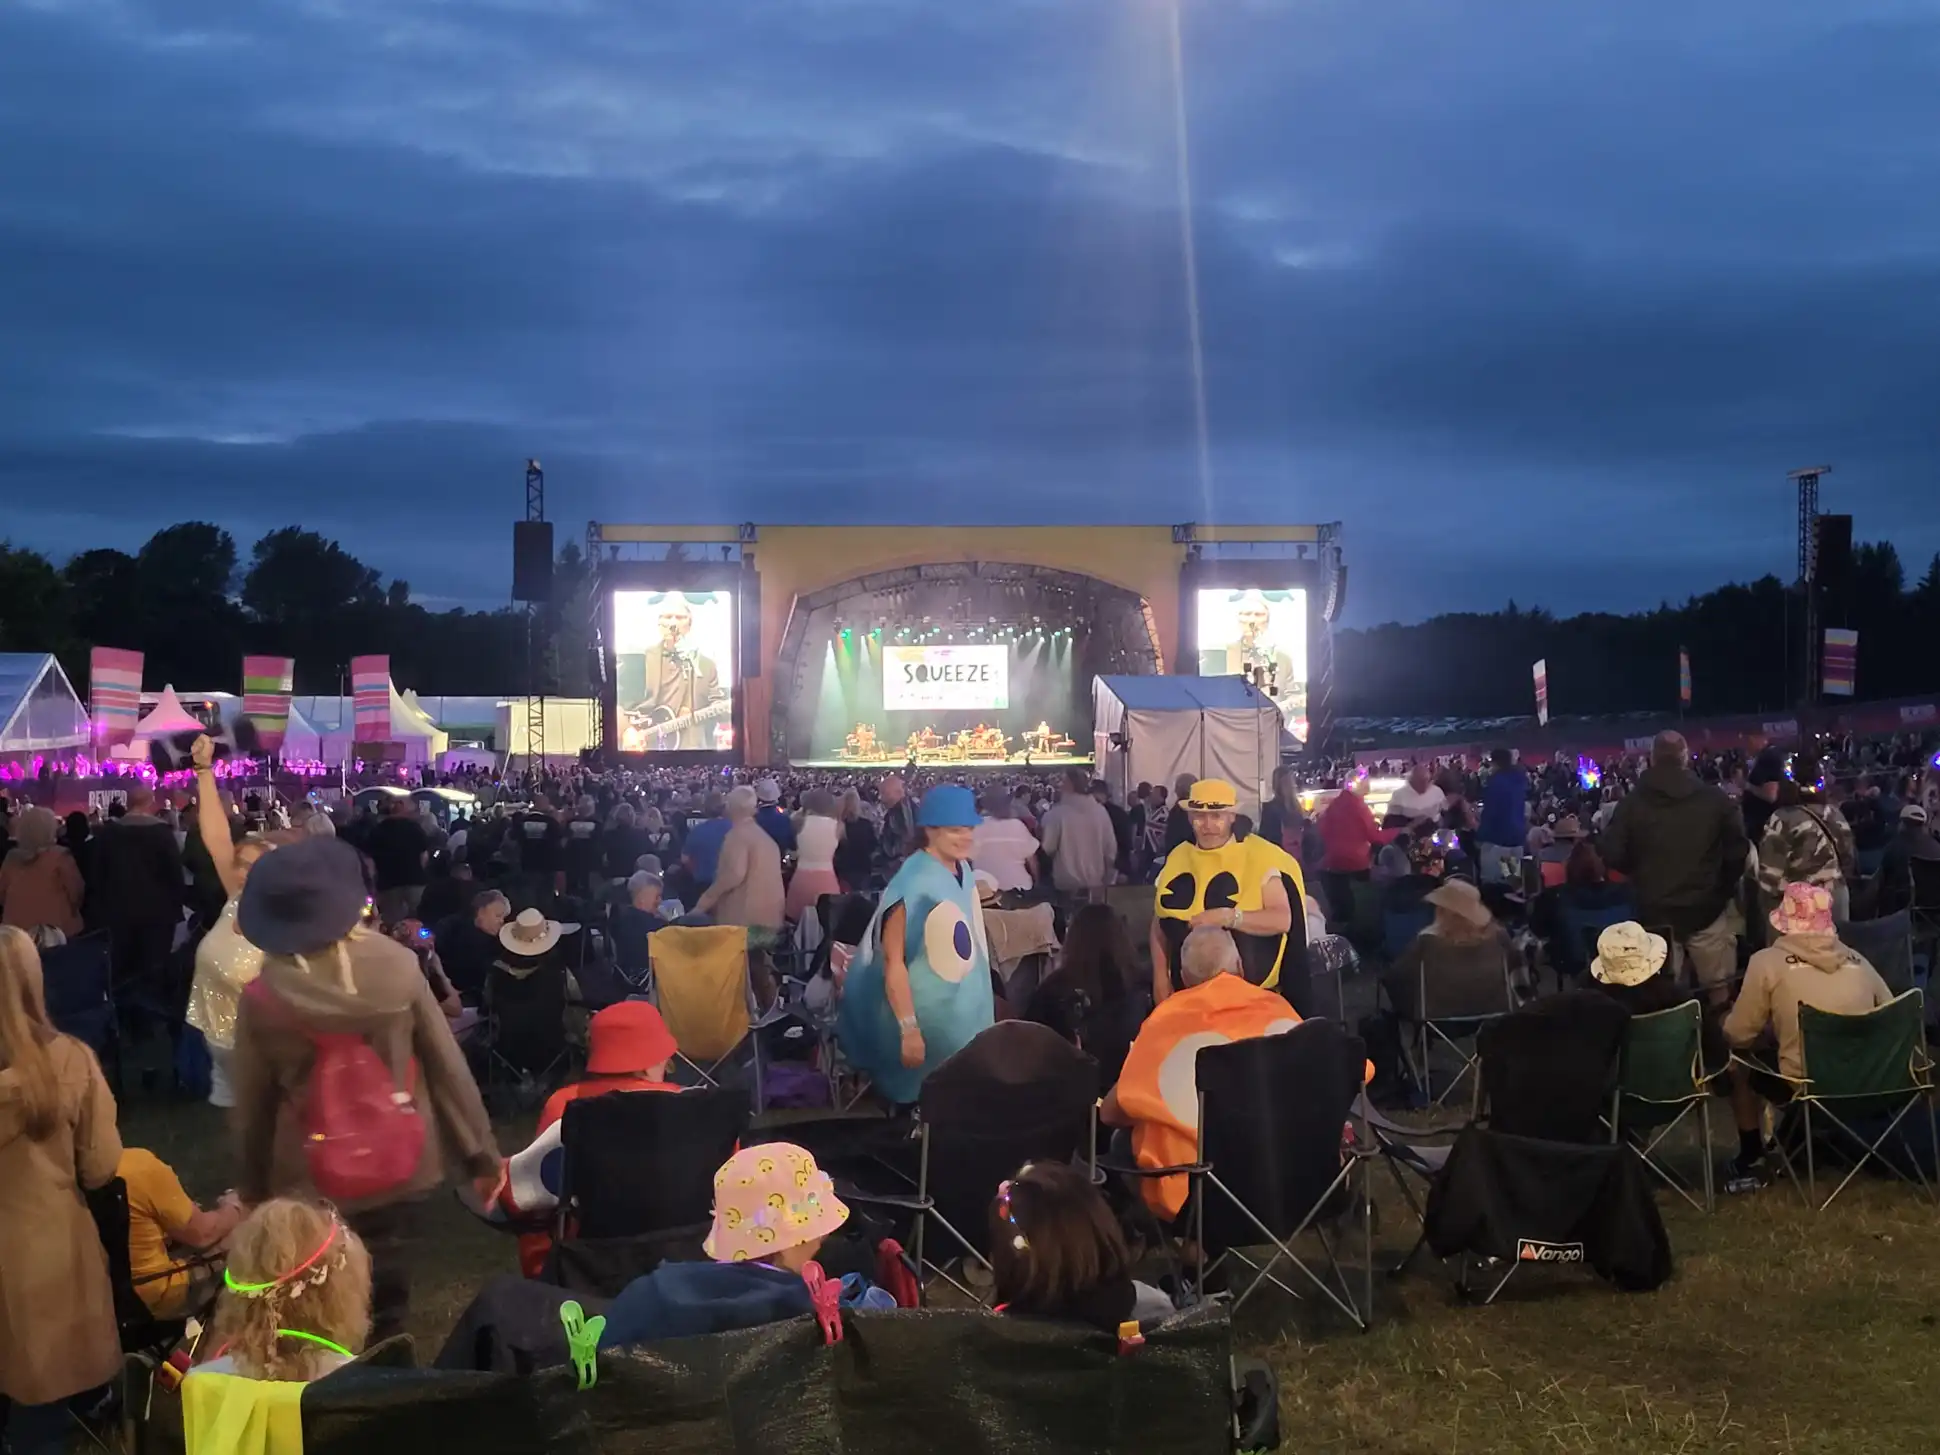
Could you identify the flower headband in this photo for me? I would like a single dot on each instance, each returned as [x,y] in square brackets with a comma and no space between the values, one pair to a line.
[312,1272]
[1018,1240]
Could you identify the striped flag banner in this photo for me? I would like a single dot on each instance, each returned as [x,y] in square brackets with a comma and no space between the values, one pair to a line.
[1683,677]
[1840,661]
[370,686]
[114,694]
[1541,673]
[267,685]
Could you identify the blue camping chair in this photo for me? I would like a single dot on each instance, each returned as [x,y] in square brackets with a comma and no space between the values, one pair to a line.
[1400,926]
[1580,930]
[79,981]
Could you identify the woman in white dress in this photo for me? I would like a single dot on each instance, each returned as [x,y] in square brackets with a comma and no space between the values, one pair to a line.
[815,844]
[225,963]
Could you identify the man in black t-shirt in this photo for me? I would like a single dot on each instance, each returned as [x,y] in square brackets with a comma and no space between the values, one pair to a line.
[398,847]
[542,849]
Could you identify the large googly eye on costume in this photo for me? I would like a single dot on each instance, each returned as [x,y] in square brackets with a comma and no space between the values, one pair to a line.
[947,943]
[1178,1076]
[1179,893]
[1222,891]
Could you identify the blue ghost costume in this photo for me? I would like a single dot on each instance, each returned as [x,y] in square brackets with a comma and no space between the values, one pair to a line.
[948,958]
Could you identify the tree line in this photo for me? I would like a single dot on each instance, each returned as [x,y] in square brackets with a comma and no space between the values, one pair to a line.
[190,602]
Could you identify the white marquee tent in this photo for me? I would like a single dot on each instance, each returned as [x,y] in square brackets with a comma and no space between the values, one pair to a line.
[39,709]
[1152,729]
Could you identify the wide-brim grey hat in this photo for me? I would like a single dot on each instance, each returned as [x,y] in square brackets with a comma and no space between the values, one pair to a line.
[303,898]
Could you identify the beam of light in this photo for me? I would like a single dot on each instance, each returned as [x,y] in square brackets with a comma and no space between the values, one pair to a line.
[1189,253]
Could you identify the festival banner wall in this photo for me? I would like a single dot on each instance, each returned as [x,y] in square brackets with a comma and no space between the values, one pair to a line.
[370,685]
[267,685]
[1541,673]
[114,694]
[1683,677]
[1841,661]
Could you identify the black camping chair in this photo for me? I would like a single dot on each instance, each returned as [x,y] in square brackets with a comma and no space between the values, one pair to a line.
[79,981]
[637,1182]
[1271,1110]
[1548,1070]
[1017,1093]
[525,1046]
[1887,944]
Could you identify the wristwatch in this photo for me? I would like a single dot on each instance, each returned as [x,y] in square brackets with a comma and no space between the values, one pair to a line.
[1238,915]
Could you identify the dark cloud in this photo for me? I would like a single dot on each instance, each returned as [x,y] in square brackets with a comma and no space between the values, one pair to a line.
[1538,302]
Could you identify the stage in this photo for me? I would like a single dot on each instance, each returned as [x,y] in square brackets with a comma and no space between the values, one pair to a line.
[1031,762]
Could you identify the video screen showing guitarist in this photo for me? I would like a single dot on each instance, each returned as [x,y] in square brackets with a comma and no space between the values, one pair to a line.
[676,694]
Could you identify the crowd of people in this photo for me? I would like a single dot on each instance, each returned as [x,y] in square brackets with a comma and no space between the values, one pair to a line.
[334,969]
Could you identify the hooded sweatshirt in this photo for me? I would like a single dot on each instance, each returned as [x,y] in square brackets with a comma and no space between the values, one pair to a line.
[372,988]
[678,1300]
[1682,844]
[1795,970]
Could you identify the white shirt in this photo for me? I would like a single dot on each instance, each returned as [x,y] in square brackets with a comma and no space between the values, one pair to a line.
[1429,802]
[1002,848]
[815,843]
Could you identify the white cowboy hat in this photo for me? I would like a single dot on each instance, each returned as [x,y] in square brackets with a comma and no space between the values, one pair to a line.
[1628,954]
[530,934]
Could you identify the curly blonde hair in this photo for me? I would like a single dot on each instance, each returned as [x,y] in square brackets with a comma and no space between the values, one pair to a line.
[329,1298]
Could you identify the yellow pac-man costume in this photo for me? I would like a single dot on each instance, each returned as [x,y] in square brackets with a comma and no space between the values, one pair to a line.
[1235,876]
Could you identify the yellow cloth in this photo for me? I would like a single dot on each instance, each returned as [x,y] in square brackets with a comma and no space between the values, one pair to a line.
[1233,876]
[700,982]
[226,1414]
[158,1209]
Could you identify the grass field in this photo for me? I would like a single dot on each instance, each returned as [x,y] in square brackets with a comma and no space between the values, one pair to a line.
[1781,1331]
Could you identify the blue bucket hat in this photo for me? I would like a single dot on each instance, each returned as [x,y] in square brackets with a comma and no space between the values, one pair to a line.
[947,806]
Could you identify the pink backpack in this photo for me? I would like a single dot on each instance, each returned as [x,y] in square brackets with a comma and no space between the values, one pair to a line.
[362,1134]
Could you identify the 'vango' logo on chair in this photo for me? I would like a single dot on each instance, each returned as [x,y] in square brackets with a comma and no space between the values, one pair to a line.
[1530,1250]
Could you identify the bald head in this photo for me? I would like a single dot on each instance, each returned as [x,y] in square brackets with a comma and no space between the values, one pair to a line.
[1669,750]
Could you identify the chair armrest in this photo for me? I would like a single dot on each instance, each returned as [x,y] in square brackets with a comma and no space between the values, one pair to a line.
[181,1265]
[1125,1170]
[1749,1065]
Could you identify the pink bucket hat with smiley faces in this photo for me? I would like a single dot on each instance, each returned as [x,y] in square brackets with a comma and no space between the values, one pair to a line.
[768,1199]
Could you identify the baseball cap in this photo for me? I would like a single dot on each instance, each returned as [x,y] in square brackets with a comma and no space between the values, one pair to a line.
[1913,813]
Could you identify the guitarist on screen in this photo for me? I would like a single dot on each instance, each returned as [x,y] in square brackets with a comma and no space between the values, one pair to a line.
[678,685]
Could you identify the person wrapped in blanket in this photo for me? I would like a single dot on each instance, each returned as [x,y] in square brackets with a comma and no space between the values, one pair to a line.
[919,987]
[1057,1253]
[628,1048]
[773,1210]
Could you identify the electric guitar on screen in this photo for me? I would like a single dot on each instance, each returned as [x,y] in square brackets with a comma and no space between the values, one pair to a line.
[658,729]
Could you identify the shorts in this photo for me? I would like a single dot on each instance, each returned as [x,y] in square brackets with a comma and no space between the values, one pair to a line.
[1761,1072]
[1712,952]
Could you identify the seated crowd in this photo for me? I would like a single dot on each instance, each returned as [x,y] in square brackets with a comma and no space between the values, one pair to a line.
[351,977]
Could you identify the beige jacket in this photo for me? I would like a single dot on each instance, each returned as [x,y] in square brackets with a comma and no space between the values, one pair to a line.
[389,1003]
[57,1316]
[1795,970]
[747,888]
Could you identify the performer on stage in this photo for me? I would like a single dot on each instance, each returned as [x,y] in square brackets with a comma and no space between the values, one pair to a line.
[1248,886]
[677,686]
[1256,650]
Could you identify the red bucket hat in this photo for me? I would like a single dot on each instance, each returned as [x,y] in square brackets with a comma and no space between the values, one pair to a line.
[628,1038]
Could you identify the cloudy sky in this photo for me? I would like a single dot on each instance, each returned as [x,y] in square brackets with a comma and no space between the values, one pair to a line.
[1539,299]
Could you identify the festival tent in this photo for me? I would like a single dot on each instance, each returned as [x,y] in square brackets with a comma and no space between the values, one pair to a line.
[1152,729]
[302,743]
[39,710]
[165,717]
[335,719]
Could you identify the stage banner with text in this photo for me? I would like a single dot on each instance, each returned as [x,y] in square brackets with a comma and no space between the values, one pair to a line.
[267,685]
[1841,661]
[114,694]
[946,678]
[1541,673]
[370,687]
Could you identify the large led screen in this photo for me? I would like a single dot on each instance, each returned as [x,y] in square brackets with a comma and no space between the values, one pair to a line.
[946,678]
[1257,633]
[674,670]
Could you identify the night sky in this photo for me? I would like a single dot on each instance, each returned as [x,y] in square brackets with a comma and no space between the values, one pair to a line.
[1540,299]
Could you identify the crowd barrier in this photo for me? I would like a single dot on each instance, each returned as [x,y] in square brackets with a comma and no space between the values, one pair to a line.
[940,1382]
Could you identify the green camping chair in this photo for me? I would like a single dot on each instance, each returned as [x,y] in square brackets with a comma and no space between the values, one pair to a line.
[1861,1068]
[1660,1081]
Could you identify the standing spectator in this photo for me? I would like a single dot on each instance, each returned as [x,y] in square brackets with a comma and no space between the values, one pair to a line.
[1079,838]
[1504,828]
[855,855]
[747,888]
[815,846]
[1178,823]
[57,1137]
[1760,798]
[1418,800]
[398,849]
[582,848]
[324,973]
[1283,821]
[1002,847]
[896,839]
[626,841]
[1806,841]
[40,884]
[542,851]
[1154,829]
[701,850]
[1121,824]
[1914,840]
[138,876]
[1348,837]
[1681,843]
[767,794]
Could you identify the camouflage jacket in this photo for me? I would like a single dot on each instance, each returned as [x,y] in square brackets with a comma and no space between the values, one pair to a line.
[1807,843]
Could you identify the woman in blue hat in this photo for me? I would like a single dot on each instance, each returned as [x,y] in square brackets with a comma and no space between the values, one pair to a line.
[919,986]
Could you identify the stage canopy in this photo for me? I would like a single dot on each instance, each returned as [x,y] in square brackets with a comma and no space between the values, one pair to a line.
[39,709]
[1152,729]
[168,716]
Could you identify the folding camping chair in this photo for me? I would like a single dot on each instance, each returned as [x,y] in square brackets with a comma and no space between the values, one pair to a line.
[637,1181]
[1408,1152]
[1018,1093]
[1661,1080]
[1887,945]
[79,981]
[1862,1068]
[525,1042]
[1580,930]
[1271,1109]
[1400,926]
[701,985]
[1448,1021]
